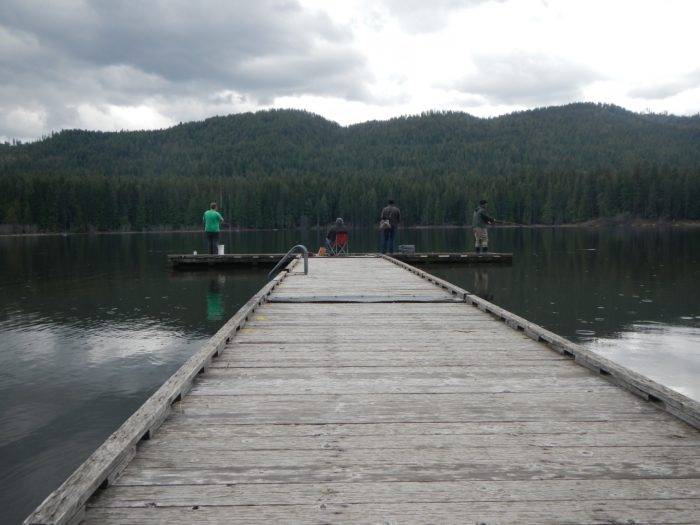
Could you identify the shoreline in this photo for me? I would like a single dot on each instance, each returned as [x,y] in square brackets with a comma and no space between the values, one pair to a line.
[593,224]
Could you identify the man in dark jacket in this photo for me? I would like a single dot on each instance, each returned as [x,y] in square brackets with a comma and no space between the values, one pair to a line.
[481,221]
[389,223]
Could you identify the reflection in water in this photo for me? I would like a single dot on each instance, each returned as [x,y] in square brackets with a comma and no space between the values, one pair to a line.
[66,386]
[215,306]
[481,284]
[92,325]
[669,354]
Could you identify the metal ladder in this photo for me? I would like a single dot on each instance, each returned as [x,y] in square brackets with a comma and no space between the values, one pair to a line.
[284,259]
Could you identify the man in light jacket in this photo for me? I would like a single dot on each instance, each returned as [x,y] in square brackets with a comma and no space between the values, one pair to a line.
[481,221]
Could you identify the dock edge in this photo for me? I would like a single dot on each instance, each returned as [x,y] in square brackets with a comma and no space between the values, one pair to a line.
[659,395]
[66,504]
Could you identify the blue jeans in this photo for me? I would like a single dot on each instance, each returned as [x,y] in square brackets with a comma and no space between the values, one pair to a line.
[387,239]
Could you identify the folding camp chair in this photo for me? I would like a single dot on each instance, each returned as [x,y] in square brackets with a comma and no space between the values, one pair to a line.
[340,244]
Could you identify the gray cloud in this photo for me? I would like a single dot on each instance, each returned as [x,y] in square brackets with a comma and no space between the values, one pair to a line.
[522,78]
[669,88]
[56,56]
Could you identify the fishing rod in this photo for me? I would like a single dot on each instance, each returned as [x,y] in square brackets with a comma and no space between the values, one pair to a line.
[509,223]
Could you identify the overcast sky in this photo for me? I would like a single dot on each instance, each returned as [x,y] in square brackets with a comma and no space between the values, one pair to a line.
[110,65]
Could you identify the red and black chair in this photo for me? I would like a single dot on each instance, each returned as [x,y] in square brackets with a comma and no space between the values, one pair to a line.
[340,244]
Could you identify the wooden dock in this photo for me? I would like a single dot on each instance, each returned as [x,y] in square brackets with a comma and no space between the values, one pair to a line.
[205,261]
[369,391]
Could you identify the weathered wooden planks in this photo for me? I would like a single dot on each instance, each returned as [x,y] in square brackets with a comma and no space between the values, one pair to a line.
[537,513]
[596,511]
[415,407]
[394,493]
[170,465]
[675,431]
[204,261]
[338,355]
[454,258]
[379,380]
[400,408]
[188,433]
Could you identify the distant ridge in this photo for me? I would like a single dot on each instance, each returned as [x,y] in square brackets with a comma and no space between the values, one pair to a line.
[573,137]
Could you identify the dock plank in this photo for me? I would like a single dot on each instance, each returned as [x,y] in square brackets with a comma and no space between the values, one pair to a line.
[681,511]
[339,494]
[377,380]
[339,355]
[397,408]
[218,437]
[394,493]
[643,432]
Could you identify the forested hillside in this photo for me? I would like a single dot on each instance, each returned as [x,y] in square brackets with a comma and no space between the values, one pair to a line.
[553,165]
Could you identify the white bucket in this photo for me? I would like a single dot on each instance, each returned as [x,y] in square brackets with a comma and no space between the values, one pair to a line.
[221,249]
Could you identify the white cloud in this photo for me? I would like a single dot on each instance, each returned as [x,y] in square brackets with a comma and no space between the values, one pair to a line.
[419,16]
[115,118]
[523,78]
[668,88]
[23,122]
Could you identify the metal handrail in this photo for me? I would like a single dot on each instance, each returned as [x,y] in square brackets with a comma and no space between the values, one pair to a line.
[286,256]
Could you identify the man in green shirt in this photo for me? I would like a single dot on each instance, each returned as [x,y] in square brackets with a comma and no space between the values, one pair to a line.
[212,225]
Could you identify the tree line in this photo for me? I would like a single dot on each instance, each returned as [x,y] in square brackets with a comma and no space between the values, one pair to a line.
[272,169]
[97,202]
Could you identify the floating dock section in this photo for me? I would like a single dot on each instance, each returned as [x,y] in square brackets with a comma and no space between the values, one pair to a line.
[369,391]
[205,261]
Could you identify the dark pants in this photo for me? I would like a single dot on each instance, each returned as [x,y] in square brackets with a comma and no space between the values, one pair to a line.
[387,239]
[213,240]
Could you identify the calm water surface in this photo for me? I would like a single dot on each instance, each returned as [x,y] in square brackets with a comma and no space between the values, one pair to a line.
[90,326]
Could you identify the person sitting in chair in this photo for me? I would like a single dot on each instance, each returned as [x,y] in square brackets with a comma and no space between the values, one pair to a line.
[335,229]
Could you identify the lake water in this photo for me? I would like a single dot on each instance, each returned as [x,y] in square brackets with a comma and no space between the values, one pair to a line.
[90,326]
